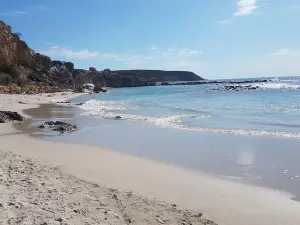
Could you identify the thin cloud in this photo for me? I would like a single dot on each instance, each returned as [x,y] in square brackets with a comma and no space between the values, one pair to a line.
[57,51]
[109,56]
[286,52]
[245,7]
[189,52]
[224,22]
[169,58]
[13,13]
[131,58]
[38,7]
[174,53]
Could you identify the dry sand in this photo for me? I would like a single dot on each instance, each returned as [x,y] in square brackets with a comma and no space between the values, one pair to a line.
[223,201]
[34,193]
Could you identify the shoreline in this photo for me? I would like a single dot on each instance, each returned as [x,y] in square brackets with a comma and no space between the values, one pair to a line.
[223,201]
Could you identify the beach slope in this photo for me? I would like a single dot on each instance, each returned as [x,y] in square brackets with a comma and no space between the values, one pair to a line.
[51,180]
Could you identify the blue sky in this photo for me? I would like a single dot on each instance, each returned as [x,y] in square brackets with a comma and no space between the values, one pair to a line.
[213,38]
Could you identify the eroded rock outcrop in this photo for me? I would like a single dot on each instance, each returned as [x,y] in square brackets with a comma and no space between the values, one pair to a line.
[12,49]
[7,116]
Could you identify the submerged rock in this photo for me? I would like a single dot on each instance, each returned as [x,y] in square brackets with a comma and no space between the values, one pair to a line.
[47,124]
[59,126]
[64,102]
[67,128]
[7,116]
[236,88]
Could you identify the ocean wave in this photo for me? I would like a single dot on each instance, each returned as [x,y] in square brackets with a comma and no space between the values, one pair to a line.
[109,110]
[164,121]
[277,85]
[195,111]
[97,105]
[276,109]
[55,101]
[250,132]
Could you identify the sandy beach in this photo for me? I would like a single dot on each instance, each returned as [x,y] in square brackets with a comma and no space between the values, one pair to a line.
[44,182]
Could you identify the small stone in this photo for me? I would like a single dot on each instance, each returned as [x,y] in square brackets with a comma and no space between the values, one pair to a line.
[115,196]
[59,219]
[198,215]
[128,220]
[76,211]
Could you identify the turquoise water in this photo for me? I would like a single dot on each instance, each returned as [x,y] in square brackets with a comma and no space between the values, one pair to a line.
[273,110]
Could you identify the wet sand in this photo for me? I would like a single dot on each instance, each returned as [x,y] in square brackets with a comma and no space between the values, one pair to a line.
[223,201]
[262,161]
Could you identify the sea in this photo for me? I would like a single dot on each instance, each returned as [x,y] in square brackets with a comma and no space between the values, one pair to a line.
[250,136]
[273,110]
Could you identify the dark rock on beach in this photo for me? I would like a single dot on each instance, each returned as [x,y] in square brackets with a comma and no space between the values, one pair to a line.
[64,102]
[60,126]
[66,128]
[118,117]
[53,123]
[7,116]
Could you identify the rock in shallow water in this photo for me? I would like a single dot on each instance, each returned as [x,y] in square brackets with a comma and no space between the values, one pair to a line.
[60,126]
[66,128]
[7,116]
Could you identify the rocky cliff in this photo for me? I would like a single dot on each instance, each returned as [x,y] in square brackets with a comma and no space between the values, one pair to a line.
[24,70]
[12,49]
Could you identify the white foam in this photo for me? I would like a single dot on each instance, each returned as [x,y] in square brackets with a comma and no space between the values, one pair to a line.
[110,109]
[249,132]
[277,85]
[58,100]
[98,106]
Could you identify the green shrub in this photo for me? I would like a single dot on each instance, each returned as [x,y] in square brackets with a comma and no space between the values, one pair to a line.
[37,77]
[14,72]
[5,79]
[17,34]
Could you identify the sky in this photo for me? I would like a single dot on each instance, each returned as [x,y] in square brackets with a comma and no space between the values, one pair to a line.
[212,38]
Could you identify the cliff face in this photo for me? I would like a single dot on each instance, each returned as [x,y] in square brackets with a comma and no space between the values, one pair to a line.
[23,70]
[12,49]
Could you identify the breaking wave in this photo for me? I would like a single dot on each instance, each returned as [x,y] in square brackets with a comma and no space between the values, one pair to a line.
[111,109]
[278,85]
